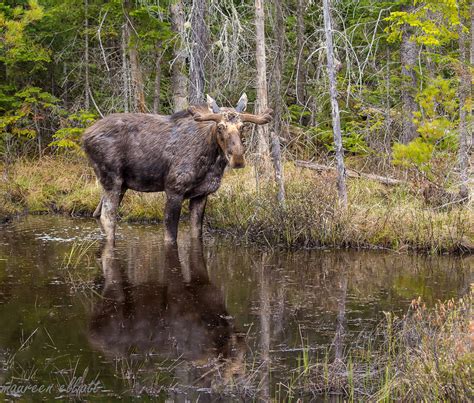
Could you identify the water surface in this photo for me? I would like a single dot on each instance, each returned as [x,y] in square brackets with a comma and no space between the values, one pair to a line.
[144,320]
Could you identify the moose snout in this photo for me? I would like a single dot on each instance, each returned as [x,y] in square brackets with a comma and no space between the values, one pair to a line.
[237,161]
[235,153]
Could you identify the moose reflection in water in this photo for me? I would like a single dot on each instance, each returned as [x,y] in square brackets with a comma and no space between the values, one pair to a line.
[169,310]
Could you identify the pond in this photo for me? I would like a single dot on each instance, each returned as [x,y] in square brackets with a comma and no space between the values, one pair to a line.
[81,317]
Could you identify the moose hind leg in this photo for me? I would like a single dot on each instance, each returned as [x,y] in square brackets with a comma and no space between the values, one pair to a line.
[172,213]
[108,217]
[197,206]
[98,209]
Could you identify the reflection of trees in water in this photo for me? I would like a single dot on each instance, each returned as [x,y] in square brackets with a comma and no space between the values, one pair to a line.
[265,329]
[156,306]
[375,280]
[341,292]
[325,293]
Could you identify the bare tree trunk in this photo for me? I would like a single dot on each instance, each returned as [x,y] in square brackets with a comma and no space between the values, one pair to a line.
[336,121]
[135,68]
[277,99]
[471,137]
[262,102]
[387,141]
[87,88]
[156,95]
[300,61]
[408,58]
[178,75]
[125,80]
[464,94]
[200,38]
[472,34]
[137,79]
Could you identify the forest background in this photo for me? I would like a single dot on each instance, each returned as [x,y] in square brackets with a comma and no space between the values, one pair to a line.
[403,74]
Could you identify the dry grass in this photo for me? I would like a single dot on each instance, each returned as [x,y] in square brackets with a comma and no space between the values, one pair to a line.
[427,355]
[378,216]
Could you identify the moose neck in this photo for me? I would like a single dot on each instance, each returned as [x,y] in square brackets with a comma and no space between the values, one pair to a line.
[212,152]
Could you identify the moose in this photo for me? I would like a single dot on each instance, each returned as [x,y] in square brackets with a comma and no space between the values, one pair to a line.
[184,155]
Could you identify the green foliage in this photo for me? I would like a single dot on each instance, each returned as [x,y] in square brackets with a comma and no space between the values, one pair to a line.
[16,46]
[436,122]
[30,106]
[68,138]
[433,21]
[417,153]
[151,27]
[298,112]
[353,141]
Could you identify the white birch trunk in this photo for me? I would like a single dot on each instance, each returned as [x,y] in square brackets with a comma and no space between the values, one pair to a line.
[178,76]
[464,94]
[87,88]
[336,121]
[262,95]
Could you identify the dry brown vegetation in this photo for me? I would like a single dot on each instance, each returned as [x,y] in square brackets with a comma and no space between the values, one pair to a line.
[395,217]
[426,355]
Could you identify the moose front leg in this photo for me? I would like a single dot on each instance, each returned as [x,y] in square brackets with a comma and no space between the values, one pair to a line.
[172,213]
[197,206]
[108,217]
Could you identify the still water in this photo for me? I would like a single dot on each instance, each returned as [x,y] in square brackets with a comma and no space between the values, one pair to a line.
[81,318]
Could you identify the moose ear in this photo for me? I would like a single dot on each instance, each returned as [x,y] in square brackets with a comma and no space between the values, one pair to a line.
[212,104]
[242,104]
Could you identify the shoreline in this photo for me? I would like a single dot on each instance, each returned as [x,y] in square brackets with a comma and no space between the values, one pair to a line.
[378,217]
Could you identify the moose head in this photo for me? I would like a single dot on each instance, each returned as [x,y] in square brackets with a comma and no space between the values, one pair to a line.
[229,124]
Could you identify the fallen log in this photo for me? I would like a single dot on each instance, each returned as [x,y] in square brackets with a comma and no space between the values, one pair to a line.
[351,173]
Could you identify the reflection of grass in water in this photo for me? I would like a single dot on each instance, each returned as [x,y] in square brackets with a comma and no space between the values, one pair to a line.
[76,265]
[24,377]
[143,376]
[425,355]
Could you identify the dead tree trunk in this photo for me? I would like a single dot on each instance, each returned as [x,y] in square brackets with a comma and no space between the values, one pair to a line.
[336,121]
[87,88]
[262,100]
[157,91]
[200,38]
[408,58]
[464,93]
[277,99]
[135,68]
[125,78]
[137,79]
[300,61]
[178,70]
[472,34]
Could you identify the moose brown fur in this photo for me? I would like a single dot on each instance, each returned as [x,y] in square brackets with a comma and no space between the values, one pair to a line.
[184,155]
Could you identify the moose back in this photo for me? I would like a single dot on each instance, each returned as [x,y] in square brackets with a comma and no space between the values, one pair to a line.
[184,155]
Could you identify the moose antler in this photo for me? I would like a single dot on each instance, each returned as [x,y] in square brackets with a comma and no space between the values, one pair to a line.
[261,119]
[203,116]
